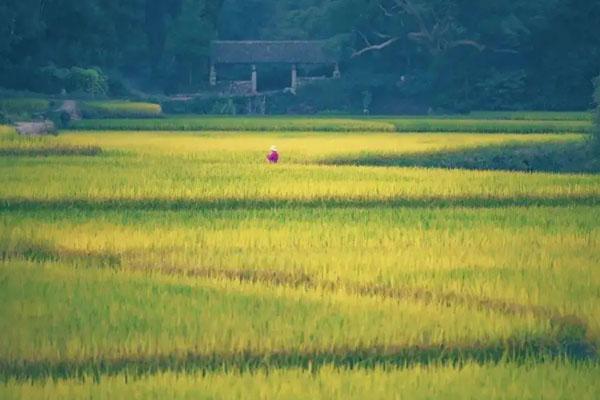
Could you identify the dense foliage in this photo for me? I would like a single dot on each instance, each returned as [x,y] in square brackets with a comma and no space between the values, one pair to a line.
[449,54]
[154,43]
[596,130]
[400,55]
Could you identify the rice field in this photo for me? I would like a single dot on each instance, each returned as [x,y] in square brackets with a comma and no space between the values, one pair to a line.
[178,264]
[483,124]
[120,109]
[534,115]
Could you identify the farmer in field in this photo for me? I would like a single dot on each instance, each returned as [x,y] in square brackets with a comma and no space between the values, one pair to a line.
[273,155]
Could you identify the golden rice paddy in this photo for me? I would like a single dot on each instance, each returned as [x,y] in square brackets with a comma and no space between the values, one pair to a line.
[176,264]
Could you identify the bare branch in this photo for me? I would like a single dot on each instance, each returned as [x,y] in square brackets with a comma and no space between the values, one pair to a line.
[375,47]
[467,42]
[418,36]
[386,12]
[364,37]
[433,31]
[509,51]
[409,8]
[382,35]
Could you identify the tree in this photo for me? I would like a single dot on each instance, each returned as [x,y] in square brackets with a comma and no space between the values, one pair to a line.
[596,129]
[158,14]
[447,54]
[20,22]
[430,24]
[255,14]
[189,36]
[564,55]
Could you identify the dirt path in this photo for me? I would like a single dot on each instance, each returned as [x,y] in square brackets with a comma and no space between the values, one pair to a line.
[35,128]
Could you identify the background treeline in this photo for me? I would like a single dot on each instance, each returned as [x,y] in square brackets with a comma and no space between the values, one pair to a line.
[596,129]
[399,55]
[154,45]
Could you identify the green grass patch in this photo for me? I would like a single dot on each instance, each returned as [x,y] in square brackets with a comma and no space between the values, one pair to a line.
[490,126]
[23,105]
[534,115]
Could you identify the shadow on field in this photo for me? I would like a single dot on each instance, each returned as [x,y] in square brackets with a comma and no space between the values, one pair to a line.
[567,337]
[43,251]
[568,330]
[517,349]
[548,157]
[42,151]
[158,204]
[306,281]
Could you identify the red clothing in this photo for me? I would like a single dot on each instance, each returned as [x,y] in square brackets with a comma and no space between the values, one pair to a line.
[273,157]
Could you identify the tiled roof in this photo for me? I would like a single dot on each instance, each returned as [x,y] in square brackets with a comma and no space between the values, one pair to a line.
[256,52]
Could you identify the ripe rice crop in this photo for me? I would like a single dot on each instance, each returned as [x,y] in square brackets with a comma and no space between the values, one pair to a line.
[120,109]
[7,132]
[299,147]
[14,145]
[193,318]
[238,124]
[180,265]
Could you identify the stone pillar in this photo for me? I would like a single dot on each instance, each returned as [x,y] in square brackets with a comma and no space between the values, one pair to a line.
[213,76]
[336,72]
[294,78]
[254,80]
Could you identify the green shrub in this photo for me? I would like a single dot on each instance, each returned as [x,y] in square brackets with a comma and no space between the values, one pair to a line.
[210,105]
[117,87]
[50,79]
[90,81]
[502,90]
[224,107]
[38,79]
[310,99]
